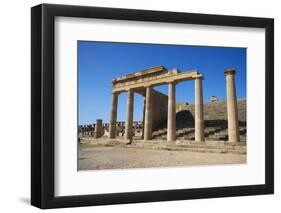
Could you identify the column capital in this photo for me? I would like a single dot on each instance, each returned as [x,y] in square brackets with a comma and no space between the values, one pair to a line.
[148,85]
[130,90]
[229,71]
[171,82]
[115,93]
[199,77]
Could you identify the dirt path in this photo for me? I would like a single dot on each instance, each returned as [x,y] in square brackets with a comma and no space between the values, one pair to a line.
[102,157]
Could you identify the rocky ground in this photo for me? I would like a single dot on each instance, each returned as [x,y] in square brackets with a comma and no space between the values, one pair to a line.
[108,157]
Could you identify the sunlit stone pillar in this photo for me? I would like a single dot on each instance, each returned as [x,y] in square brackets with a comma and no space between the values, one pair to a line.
[171,134]
[199,117]
[148,114]
[98,129]
[113,117]
[143,117]
[130,116]
[232,112]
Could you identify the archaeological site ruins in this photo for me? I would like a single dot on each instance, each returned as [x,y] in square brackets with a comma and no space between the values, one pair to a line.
[164,120]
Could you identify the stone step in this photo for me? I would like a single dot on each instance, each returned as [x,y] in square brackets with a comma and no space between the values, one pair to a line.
[206,129]
[184,134]
[241,150]
[191,137]
[187,129]
[225,146]
[183,138]
[217,138]
[209,132]
[221,133]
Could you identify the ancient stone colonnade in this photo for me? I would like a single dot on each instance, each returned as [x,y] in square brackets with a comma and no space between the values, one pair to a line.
[154,101]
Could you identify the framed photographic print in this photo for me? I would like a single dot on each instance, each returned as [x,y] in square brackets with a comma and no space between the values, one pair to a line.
[139,106]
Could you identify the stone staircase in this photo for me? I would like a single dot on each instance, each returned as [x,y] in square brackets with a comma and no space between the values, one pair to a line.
[179,145]
[191,146]
[215,122]
[211,134]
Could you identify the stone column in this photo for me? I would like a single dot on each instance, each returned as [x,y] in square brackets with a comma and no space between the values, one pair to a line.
[148,114]
[143,117]
[98,129]
[113,117]
[130,116]
[199,112]
[171,130]
[232,112]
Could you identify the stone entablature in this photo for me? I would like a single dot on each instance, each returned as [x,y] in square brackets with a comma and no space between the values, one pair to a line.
[151,77]
[141,74]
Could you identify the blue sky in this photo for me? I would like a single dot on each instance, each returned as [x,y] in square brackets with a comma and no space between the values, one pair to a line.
[99,62]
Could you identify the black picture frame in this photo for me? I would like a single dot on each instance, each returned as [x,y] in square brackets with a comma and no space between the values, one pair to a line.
[43,102]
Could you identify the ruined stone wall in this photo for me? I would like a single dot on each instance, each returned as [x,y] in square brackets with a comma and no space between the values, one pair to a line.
[160,109]
[215,113]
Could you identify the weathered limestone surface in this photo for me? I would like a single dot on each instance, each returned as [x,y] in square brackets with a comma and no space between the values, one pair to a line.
[154,76]
[160,108]
[232,110]
[113,116]
[148,114]
[199,120]
[98,129]
[215,114]
[130,115]
[171,134]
